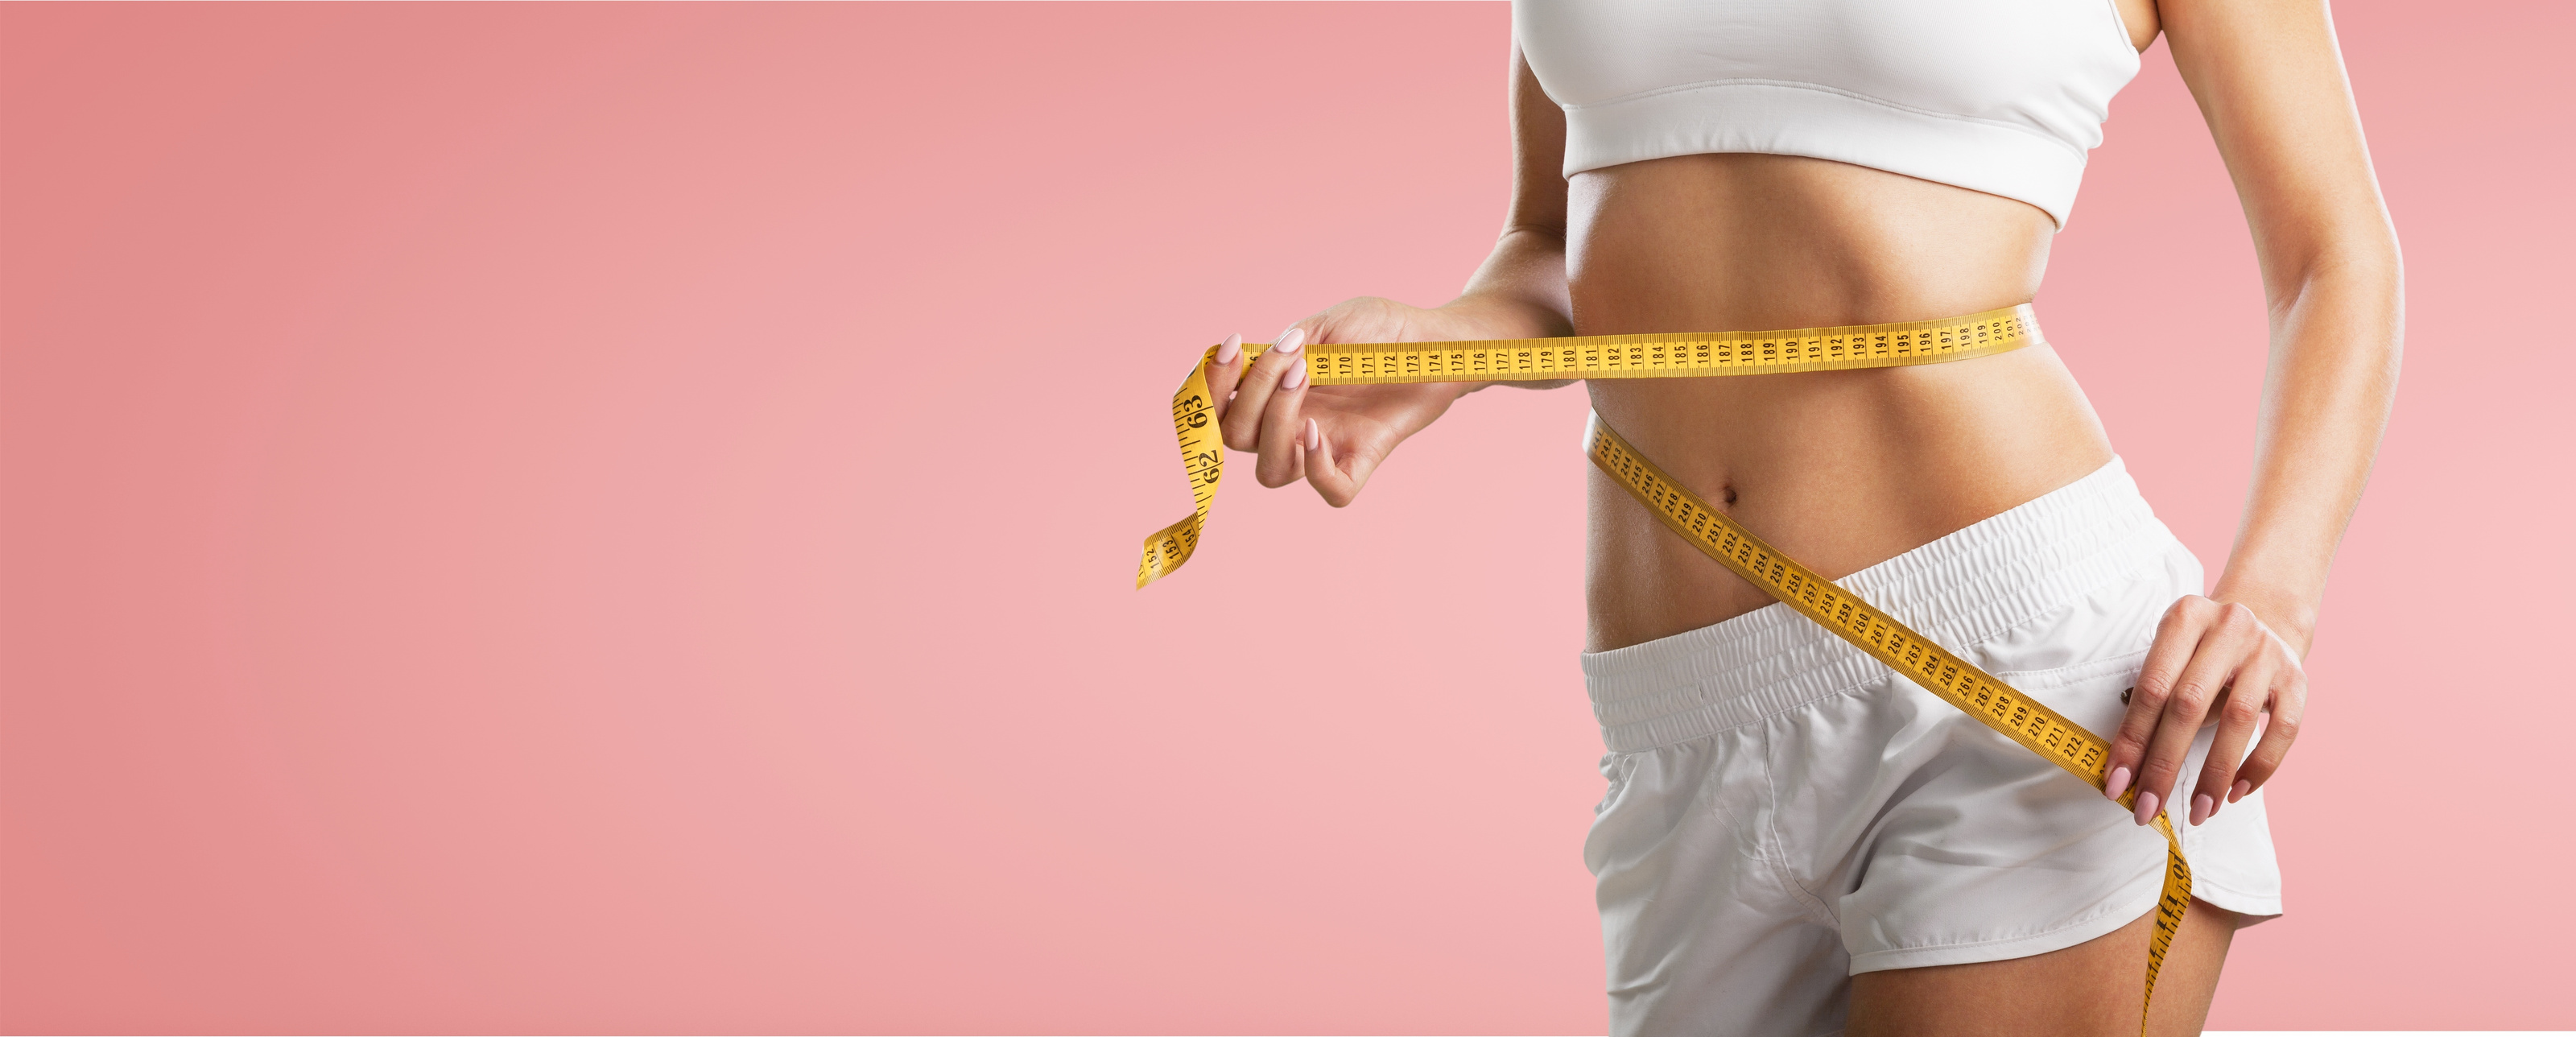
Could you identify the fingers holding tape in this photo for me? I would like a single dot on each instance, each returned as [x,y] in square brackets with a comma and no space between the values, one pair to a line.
[1224,372]
[1243,419]
[1283,431]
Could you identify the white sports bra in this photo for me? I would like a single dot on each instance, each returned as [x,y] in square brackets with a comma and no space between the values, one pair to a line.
[2001,96]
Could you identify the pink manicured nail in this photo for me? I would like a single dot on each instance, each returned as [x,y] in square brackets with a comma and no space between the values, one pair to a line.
[1296,374]
[1229,349]
[2146,807]
[1314,435]
[2201,807]
[2119,782]
[2243,788]
[1289,340]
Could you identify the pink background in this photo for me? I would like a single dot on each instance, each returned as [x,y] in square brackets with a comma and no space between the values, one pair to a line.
[620,518]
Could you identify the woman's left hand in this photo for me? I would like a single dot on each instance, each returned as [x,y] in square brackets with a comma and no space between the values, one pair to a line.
[2211,661]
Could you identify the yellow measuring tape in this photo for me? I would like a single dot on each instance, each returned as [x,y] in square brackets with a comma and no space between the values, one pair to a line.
[1692,355]
[1984,696]
[1543,359]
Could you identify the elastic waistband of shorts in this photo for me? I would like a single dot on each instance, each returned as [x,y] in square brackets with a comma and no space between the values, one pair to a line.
[1960,590]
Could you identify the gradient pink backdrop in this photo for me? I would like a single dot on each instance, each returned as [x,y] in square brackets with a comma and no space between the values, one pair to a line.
[528,518]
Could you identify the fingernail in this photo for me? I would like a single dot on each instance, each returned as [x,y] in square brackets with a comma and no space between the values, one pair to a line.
[2119,782]
[1296,374]
[2242,789]
[2146,807]
[2201,807]
[1314,435]
[1229,349]
[1289,340]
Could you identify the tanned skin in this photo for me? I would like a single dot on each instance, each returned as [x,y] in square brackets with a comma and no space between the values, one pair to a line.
[1658,246]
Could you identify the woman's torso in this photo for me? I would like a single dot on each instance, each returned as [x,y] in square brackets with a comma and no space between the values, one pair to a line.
[1840,470]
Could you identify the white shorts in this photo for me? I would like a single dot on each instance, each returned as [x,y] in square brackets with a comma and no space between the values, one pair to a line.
[1785,812]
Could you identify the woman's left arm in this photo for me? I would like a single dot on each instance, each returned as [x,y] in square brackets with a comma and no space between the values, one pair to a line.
[2271,84]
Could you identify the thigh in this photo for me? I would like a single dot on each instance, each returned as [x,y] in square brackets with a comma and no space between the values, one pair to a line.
[2091,988]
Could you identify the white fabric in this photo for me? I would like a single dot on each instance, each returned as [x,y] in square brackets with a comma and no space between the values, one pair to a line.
[1784,811]
[2001,96]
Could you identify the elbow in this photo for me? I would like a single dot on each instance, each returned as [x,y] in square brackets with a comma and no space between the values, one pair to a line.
[2347,296]
[2352,260]
[1545,234]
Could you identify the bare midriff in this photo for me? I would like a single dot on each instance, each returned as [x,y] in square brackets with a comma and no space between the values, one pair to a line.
[1838,469]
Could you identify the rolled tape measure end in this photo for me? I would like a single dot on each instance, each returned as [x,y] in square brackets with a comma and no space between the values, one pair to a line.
[1167,549]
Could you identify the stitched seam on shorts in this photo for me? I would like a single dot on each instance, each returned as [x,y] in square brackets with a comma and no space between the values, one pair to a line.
[2001,625]
[2197,885]
[1776,853]
[2087,918]
[2072,674]
[2071,586]
[1874,671]
[1869,671]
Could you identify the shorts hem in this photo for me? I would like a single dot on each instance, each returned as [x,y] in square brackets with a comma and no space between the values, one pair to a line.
[2101,923]
[2254,909]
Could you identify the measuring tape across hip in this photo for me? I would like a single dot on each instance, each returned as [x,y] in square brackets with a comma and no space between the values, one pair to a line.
[1688,355]
[1954,680]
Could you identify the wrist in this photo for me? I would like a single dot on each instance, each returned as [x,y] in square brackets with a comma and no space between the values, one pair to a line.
[2288,614]
[1479,316]
[1486,316]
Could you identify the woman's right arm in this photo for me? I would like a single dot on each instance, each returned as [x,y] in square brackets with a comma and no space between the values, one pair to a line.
[1335,436]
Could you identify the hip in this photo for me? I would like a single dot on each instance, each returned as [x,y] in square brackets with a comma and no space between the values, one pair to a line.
[1780,800]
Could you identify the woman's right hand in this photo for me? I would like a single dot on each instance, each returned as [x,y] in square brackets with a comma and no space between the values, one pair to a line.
[1331,436]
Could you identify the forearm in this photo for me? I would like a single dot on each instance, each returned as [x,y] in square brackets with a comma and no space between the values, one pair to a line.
[1519,291]
[2336,336]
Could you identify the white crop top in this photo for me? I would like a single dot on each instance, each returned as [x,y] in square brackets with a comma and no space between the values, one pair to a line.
[2001,96]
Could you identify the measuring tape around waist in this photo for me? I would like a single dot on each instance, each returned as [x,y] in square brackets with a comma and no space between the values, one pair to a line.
[1674,355]
[1700,355]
